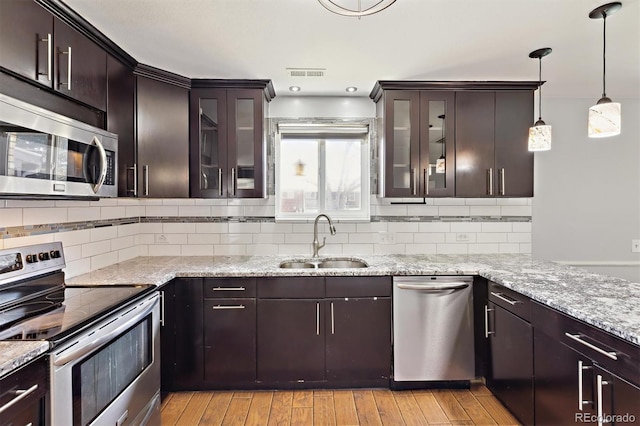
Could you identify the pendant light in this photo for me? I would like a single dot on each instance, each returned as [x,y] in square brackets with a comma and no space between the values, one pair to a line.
[337,8]
[441,162]
[604,116]
[540,132]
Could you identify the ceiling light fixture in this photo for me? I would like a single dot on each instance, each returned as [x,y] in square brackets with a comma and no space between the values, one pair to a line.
[294,88]
[351,89]
[333,6]
[540,132]
[604,116]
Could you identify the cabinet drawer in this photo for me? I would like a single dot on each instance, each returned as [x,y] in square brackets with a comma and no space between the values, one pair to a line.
[510,300]
[594,343]
[358,286]
[291,288]
[225,288]
[31,378]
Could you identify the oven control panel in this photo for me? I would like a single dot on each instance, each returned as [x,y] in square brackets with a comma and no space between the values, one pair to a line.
[24,262]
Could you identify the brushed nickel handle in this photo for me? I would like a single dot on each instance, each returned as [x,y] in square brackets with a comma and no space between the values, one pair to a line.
[501,190]
[162,308]
[220,181]
[486,322]
[577,338]
[216,307]
[134,169]
[318,319]
[599,384]
[333,323]
[22,394]
[145,170]
[490,181]
[229,289]
[49,41]
[426,182]
[103,164]
[234,181]
[581,368]
[504,299]
[68,83]
[414,173]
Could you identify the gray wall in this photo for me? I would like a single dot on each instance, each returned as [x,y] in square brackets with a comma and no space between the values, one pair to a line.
[586,208]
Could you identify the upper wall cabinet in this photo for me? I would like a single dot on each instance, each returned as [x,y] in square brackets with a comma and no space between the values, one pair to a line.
[417,143]
[463,139]
[228,140]
[39,47]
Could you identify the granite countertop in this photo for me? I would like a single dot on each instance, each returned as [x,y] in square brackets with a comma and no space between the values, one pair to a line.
[15,354]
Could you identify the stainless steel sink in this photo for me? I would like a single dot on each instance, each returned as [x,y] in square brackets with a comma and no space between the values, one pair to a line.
[342,263]
[297,265]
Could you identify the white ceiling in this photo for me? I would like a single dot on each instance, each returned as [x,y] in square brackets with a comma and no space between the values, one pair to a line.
[412,39]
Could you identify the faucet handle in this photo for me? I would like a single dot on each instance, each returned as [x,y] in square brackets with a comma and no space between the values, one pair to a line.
[324,241]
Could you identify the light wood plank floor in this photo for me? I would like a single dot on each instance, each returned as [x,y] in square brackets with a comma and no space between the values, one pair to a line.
[476,406]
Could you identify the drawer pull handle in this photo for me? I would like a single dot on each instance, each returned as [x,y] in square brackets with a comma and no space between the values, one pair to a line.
[317,319]
[581,401]
[228,289]
[22,394]
[333,321]
[216,307]
[577,338]
[504,299]
[486,322]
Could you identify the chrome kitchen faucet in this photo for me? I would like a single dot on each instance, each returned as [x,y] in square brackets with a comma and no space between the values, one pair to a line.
[316,244]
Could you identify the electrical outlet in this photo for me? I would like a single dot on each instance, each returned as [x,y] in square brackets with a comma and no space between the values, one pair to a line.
[460,237]
[161,239]
[635,246]
[386,238]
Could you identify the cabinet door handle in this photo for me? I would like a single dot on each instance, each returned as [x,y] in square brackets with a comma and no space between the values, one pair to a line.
[486,322]
[577,338]
[414,173]
[162,308]
[216,307]
[333,322]
[501,183]
[22,394]
[504,299]
[228,289]
[49,41]
[318,319]
[145,169]
[220,181]
[234,180]
[581,401]
[490,181]
[68,83]
[134,170]
[599,384]
[426,182]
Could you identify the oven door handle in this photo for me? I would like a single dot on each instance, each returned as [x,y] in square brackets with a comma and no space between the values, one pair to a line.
[65,358]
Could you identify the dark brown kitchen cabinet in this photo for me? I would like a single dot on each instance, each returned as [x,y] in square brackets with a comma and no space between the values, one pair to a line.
[162,124]
[23,394]
[41,48]
[229,331]
[492,158]
[228,139]
[510,374]
[418,143]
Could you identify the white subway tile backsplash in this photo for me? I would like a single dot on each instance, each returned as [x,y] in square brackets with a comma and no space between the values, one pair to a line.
[229,250]
[483,248]
[112,212]
[509,248]
[445,248]
[420,248]
[492,237]
[236,239]
[449,201]
[10,217]
[29,203]
[364,238]
[161,211]
[194,211]
[356,249]
[104,260]
[422,210]
[178,202]
[212,228]
[72,253]
[38,216]
[465,227]
[429,237]
[82,214]
[104,233]
[27,241]
[403,227]
[525,248]
[145,239]
[514,201]
[371,227]
[72,238]
[271,227]
[403,237]
[259,211]
[128,229]
[434,227]
[179,228]
[123,242]
[389,249]
[295,249]
[197,250]
[496,227]
[522,227]
[519,237]
[134,211]
[150,228]
[244,227]
[227,211]
[454,210]
[93,249]
[268,238]
[391,210]
[485,210]
[164,250]
[203,239]
[128,253]
[77,267]
[460,238]
[480,201]
[516,210]
[262,249]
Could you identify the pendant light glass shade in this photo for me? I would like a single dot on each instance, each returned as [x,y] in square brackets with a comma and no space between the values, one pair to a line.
[344,8]
[540,132]
[441,163]
[604,117]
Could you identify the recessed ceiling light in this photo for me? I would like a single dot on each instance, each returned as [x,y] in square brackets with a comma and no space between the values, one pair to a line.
[351,89]
[294,88]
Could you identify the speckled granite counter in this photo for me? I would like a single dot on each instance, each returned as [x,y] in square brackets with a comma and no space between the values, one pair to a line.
[15,354]
[611,304]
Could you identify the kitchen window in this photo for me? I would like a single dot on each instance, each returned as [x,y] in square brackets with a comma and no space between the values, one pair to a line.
[322,168]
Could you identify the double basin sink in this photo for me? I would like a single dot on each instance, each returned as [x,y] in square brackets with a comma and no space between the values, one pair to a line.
[340,263]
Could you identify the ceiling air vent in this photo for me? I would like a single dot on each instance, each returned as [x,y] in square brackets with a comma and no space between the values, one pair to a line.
[306,72]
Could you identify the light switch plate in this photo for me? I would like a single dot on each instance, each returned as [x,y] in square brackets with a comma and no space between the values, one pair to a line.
[635,246]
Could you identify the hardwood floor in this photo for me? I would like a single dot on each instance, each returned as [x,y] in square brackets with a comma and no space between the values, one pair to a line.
[476,406]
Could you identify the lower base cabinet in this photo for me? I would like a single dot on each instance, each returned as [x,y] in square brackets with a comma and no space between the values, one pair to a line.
[21,407]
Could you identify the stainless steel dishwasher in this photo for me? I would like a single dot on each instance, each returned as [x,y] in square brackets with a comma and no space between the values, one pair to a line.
[433,330]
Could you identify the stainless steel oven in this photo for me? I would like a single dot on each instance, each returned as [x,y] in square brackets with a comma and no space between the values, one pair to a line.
[104,356]
[44,154]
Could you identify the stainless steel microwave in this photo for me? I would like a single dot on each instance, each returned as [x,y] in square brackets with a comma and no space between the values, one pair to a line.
[44,154]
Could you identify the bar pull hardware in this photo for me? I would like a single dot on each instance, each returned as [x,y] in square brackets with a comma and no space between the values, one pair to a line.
[501,190]
[426,182]
[318,319]
[234,181]
[486,322]
[22,394]
[414,189]
[599,384]
[134,169]
[145,170]
[228,289]
[217,307]
[333,322]
[581,368]
[577,338]
[161,308]
[220,181]
[504,299]
[68,83]
[49,41]
[490,181]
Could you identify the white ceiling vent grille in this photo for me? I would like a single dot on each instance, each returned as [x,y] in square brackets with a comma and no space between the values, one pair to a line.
[306,72]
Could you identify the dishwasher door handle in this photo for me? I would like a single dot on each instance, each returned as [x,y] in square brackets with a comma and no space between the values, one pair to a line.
[427,288]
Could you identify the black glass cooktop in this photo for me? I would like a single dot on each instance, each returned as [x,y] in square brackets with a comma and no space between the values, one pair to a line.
[64,312]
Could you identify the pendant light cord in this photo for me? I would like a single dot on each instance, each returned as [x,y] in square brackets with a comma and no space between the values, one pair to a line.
[604,53]
[540,88]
